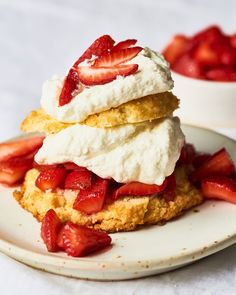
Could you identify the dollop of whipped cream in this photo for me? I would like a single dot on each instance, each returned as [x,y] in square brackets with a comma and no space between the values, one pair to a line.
[153,77]
[145,152]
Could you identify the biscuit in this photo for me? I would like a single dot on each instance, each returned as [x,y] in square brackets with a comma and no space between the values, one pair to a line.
[124,214]
[147,108]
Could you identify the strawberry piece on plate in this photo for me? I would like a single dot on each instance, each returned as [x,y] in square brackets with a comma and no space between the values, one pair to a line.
[60,242]
[91,200]
[71,84]
[200,159]
[227,74]
[51,179]
[139,189]
[99,46]
[206,55]
[97,76]
[219,163]
[124,44]
[117,57]
[80,241]
[177,47]
[49,230]
[187,155]
[19,147]
[219,187]
[187,66]
[78,180]
[13,170]
[73,166]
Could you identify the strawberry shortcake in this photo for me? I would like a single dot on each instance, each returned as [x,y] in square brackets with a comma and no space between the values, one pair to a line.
[109,157]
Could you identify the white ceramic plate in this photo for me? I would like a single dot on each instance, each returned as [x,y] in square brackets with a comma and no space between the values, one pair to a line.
[145,252]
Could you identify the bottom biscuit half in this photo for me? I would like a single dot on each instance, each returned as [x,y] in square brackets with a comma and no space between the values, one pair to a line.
[124,214]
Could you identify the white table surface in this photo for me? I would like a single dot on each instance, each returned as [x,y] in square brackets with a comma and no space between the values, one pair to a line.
[40,38]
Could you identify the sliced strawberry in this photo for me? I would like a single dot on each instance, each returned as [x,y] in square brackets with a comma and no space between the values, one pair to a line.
[99,46]
[73,166]
[44,167]
[110,59]
[219,187]
[222,74]
[91,200]
[97,76]
[71,84]
[49,230]
[80,241]
[210,34]
[60,242]
[169,192]
[218,164]
[187,155]
[20,147]
[51,179]
[177,47]
[124,44]
[200,159]
[233,40]
[187,66]
[13,170]
[78,180]
[139,189]
[206,55]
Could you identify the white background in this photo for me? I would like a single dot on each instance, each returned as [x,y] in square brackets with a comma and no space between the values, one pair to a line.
[40,38]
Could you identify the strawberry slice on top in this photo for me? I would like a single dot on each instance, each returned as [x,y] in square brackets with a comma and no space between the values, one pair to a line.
[98,76]
[117,57]
[109,63]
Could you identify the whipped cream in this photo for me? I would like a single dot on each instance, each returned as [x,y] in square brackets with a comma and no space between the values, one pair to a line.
[145,152]
[153,76]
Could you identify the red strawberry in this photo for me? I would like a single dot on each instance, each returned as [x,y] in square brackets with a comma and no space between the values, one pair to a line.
[233,40]
[169,192]
[110,59]
[51,178]
[71,84]
[99,46]
[78,180]
[177,47]
[206,55]
[209,35]
[44,167]
[13,170]
[187,66]
[19,147]
[219,163]
[200,159]
[227,74]
[73,166]
[91,200]
[188,153]
[139,189]
[49,230]
[219,187]
[80,241]
[96,76]
[124,44]
[60,242]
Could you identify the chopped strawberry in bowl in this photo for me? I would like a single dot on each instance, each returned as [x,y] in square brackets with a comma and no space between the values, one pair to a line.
[204,70]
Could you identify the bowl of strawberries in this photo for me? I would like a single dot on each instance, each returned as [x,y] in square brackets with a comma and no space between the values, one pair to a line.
[204,70]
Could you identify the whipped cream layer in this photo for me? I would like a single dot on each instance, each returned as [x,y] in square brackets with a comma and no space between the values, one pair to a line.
[153,76]
[143,152]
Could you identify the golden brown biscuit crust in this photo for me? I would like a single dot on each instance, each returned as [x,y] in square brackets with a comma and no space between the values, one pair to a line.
[143,109]
[125,214]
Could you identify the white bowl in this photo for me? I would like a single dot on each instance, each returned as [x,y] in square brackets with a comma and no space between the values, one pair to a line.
[205,103]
